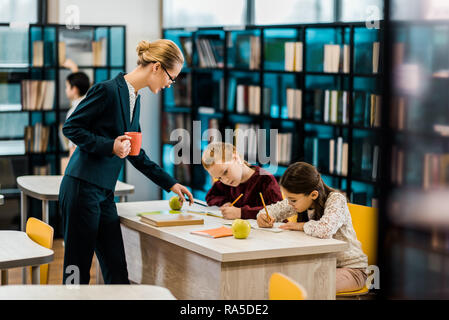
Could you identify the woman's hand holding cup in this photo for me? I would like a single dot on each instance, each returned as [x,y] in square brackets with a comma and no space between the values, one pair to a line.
[122,146]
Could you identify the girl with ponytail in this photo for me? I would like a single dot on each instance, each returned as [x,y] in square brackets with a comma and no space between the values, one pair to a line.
[328,215]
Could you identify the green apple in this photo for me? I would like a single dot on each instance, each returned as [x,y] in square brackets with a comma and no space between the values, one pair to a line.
[175,203]
[241,228]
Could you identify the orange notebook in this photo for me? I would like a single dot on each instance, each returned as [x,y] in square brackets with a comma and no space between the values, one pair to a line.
[214,233]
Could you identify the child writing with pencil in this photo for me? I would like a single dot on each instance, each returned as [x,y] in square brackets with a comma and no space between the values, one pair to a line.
[328,215]
[238,184]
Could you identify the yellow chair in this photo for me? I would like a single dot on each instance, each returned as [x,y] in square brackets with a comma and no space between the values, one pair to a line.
[282,287]
[364,220]
[42,234]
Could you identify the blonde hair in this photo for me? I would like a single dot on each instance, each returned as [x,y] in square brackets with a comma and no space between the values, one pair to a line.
[162,50]
[219,152]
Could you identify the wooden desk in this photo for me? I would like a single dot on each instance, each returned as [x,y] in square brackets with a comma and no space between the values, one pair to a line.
[18,250]
[195,267]
[46,188]
[85,292]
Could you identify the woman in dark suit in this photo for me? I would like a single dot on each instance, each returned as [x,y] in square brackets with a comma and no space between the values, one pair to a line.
[97,127]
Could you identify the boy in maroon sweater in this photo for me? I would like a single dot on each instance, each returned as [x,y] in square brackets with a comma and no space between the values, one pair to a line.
[237,177]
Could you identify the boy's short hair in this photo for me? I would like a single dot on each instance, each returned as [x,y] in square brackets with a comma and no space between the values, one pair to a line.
[79,80]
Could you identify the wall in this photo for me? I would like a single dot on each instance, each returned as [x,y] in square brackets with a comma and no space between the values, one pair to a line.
[142,20]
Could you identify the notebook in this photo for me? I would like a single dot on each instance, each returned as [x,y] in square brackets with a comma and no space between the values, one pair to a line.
[166,220]
[214,233]
[201,207]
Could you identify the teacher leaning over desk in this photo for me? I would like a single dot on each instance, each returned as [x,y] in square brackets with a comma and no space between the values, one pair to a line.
[97,127]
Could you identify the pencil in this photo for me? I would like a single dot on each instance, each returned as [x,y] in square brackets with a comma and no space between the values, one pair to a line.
[237,199]
[263,202]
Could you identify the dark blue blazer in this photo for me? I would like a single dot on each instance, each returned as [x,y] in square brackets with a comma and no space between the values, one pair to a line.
[102,116]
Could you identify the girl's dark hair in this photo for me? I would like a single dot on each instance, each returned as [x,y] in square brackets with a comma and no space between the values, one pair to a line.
[79,80]
[303,178]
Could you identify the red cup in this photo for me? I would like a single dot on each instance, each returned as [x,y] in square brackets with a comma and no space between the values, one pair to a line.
[136,142]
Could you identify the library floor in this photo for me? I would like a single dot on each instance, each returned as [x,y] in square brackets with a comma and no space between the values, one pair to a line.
[15,275]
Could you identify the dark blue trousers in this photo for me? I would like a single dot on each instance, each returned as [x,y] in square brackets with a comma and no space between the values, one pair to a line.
[91,223]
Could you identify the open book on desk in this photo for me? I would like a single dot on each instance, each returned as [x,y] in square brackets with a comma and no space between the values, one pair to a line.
[201,207]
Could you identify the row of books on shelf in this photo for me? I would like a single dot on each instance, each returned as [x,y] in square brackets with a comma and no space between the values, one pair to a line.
[332,106]
[37,94]
[246,137]
[435,170]
[284,147]
[434,174]
[332,156]
[294,103]
[210,52]
[43,170]
[44,51]
[248,99]
[328,155]
[329,106]
[336,58]
[182,91]
[36,138]
[293,56]
[397,113]
[171,122]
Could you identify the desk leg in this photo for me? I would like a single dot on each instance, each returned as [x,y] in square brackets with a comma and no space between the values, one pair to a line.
[35,275]
[23,210]
[23,218]
[99,276]
[45,212]
[4,277]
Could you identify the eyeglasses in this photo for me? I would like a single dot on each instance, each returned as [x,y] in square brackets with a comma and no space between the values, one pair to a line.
[168,74]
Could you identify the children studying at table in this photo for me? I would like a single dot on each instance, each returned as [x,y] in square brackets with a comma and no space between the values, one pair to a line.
[328,216]
[237,178]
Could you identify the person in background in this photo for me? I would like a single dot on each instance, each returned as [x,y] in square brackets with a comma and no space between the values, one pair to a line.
[76,86]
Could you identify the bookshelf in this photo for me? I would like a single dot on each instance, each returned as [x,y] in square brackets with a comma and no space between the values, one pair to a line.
[315,83]
[33,105]
[413,225]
